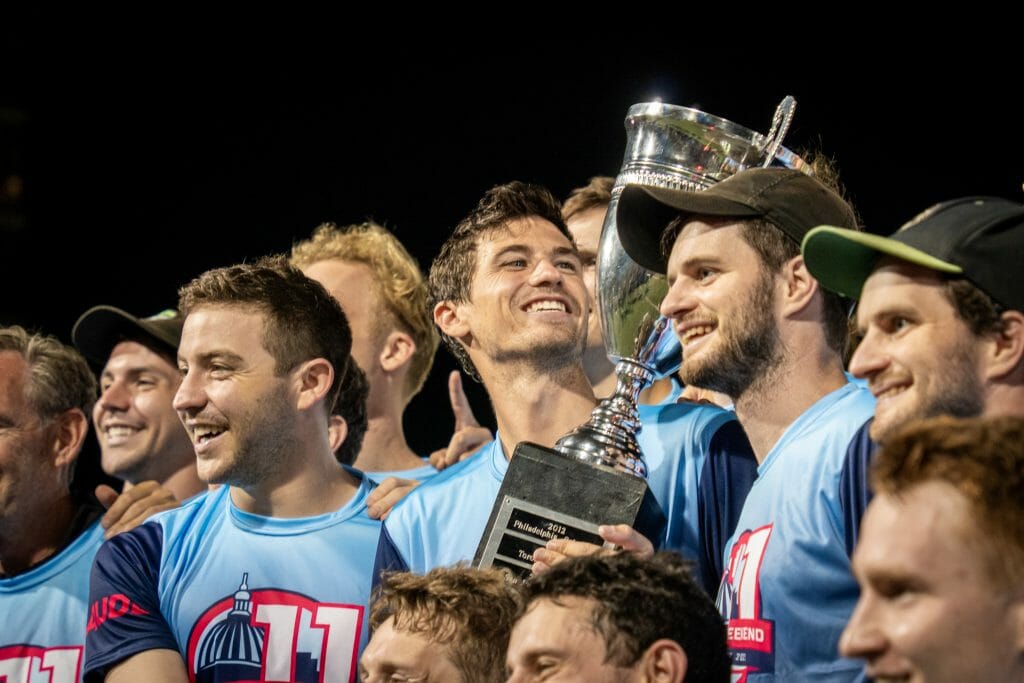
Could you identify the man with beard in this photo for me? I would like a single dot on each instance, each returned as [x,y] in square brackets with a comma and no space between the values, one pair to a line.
[941,311]
[756,326]
[232,585]
[509,298]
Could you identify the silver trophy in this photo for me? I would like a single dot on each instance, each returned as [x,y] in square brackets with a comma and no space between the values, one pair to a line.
[672,147]
[567,492]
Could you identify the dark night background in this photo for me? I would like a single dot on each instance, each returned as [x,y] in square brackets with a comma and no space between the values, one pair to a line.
[130,162]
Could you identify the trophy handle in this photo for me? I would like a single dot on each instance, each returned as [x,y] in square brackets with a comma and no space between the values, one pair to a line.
[781,120]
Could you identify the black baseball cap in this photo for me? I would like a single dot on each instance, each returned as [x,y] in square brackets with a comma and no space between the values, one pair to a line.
[789,199]
[101,328]
[977,238]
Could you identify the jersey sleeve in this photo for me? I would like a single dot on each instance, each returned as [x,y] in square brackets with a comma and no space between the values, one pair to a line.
[728,473]
[854,491]
[389,559]
[124,603]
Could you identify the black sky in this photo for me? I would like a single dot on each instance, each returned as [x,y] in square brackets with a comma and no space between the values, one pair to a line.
[149,157]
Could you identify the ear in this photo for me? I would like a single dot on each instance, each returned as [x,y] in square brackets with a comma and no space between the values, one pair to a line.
[449,317]
[663,662]
[397,351]
[71,427]
[799,286]
[1007,350]
[314,379]
[337,430]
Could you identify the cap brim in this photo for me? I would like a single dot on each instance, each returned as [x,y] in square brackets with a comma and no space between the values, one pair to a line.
[101,328]
[842,259]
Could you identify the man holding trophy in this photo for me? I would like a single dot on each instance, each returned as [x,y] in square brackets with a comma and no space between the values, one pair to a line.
[756,325]
[510,301]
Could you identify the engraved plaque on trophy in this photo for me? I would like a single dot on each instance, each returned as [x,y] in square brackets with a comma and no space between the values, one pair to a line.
[596,474]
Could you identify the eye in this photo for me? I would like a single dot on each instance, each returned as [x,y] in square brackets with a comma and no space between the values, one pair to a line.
[514,263]
[704,274]
[569,265]
[219,370]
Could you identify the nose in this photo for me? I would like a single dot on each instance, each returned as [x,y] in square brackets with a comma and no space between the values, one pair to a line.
[190,395]
[678,300]
[869,358]
[863,638]
[116,396]
[546,273]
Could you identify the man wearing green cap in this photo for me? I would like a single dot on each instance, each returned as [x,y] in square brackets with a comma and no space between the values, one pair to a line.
[756,326]
[940,309]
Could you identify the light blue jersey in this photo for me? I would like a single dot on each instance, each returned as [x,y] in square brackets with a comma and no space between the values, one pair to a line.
[417,473]
[787,590]
[43,613]
[442,521]
[242,597]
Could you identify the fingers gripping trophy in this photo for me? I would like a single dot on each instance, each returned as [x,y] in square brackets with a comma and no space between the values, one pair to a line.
[596,473]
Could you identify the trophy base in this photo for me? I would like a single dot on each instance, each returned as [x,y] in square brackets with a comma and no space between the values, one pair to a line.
[547,495]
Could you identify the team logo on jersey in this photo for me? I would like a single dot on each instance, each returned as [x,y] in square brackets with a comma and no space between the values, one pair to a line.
[33,664]
[751,638]
[274,635]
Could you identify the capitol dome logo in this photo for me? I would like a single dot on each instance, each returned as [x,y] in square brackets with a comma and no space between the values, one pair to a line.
[270,634]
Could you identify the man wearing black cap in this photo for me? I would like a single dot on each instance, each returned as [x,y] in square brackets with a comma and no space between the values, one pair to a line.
[941,309]
[141,438]
[755,325]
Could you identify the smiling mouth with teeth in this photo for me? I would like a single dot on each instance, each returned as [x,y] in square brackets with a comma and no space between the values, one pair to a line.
[546,306]
[120,431]
[695,332]
[204,434]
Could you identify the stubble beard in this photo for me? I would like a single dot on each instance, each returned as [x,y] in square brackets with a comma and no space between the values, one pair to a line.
[956,391]
[264,439]
[750,349]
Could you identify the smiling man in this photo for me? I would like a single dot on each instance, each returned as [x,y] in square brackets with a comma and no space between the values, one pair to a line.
[941,556]
[49,528]
[232,586]
[941,309]
[509,298]
[140,436]
[756,326]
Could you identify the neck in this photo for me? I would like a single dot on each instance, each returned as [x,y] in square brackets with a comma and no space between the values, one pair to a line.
[600,371]
[1004,399]
[183,483]
[384,446]
[308,481]
[539,407]
[29,538]
[784,392]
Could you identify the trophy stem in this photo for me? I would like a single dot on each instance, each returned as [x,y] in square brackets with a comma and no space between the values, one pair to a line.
[608,438]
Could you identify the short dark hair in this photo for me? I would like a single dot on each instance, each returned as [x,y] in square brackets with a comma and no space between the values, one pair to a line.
[984,459]
[470,611]
[452,271]
[303,321]
[978,310]
[597,193]
[351,405]
[638,601]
